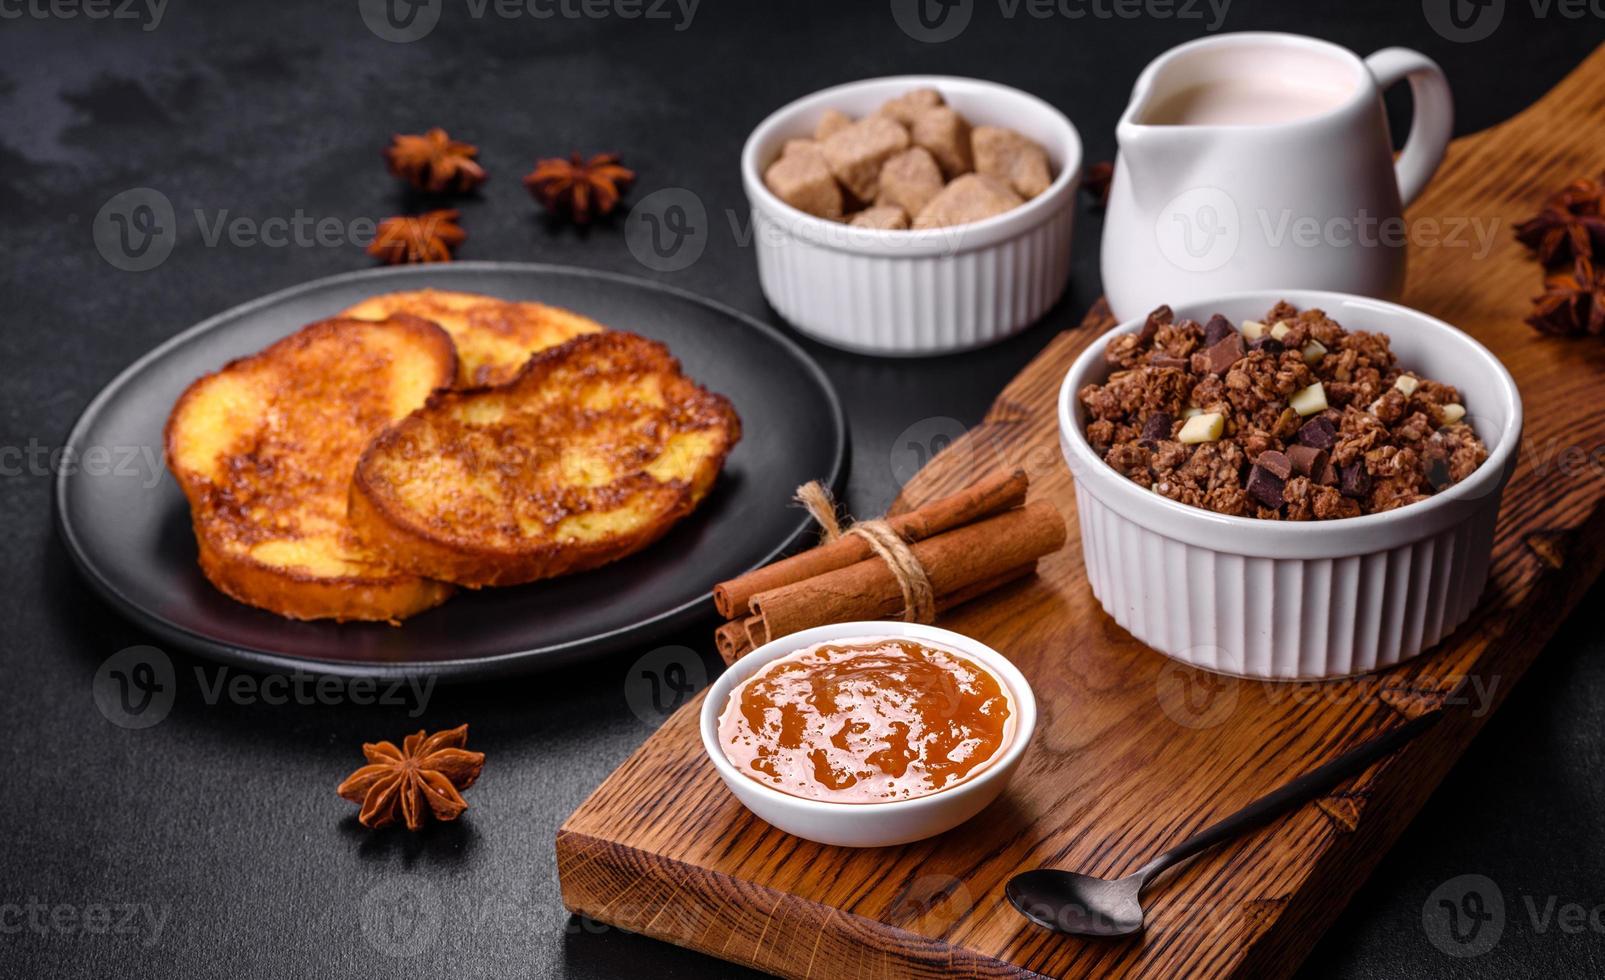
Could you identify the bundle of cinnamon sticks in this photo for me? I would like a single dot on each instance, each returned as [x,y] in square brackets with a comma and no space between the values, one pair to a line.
[968,544]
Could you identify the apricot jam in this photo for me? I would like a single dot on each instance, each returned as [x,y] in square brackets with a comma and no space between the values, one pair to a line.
[866,721]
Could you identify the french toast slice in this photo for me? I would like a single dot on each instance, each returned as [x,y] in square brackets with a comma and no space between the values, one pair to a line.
[264,450]
[494,337]
[591,453]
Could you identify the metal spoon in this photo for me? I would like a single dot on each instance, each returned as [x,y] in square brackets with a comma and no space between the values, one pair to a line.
[1086,906]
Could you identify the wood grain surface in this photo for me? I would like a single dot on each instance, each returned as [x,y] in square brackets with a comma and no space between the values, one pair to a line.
[1134,752]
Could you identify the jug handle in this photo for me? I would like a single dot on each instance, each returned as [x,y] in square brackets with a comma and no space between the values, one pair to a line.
[1433,117]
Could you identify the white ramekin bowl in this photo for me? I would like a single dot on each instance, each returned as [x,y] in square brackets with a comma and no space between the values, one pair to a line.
[915,292]
[1292,600]
[872,824]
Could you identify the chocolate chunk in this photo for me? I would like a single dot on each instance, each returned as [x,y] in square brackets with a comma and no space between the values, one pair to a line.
[1216,330]
[1150,326]
[1354,480]
[1327,476]
[1264,486]
[1318,432]
[1307,460]
[1157,428]
[1220,356]
[1268,344]
[1159,360]
[1437,461]
[1278,464]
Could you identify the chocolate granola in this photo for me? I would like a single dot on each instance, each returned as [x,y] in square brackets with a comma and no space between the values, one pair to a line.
[1289,418]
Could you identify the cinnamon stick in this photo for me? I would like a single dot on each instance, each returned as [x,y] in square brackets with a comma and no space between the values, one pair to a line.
[992,494]
[952,561]
[734,643]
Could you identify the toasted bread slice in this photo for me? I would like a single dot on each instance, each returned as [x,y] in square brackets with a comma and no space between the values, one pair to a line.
[494,337]
[264,450]
[594,451]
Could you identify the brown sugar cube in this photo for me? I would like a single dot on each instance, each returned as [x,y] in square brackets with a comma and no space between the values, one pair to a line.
[855,154]
[1007,155]
[906,106]
[885,216]
[803,180]
[832,122]
[970,198]
[947,136]
[909,180]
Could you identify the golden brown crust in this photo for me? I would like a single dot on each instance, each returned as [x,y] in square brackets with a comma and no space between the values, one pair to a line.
[548,474]
[296,596]
[266,463]
[494,337]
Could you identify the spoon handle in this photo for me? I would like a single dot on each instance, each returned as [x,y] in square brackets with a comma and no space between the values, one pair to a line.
[1307,787]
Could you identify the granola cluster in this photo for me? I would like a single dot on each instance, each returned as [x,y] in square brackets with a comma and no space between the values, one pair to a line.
[1289,418]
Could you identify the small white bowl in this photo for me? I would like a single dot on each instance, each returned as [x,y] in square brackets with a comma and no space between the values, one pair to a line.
[915,292]
[872,824]
[1290,600]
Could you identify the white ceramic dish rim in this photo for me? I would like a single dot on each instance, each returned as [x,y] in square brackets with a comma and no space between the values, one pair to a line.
[1300,539]
[1019,692]
[935,241]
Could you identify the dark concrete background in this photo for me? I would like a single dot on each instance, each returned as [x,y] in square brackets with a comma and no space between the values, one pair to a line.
[220,823]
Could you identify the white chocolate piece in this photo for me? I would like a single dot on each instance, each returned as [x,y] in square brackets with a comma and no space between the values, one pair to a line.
[1205,427]
[1406,384]
[1281,329]
[1190,411]
[1453,412]
[1314,351]
[1253,330]
[1309,401]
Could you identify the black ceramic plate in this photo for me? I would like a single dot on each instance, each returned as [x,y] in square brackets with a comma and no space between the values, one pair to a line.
[127,524]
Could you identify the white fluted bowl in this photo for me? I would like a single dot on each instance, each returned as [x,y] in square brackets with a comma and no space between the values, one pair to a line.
[1290,600]
[915,292]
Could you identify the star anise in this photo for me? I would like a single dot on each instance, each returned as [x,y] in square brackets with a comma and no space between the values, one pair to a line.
[1569,226]
[435,162]
[582,189]
[1573,302]
[428,237]
[420,779]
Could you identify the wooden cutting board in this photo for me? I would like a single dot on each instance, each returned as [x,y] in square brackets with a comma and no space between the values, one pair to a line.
[1134,752]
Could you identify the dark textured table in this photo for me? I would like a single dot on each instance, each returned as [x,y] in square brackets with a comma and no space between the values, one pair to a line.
[211,844]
